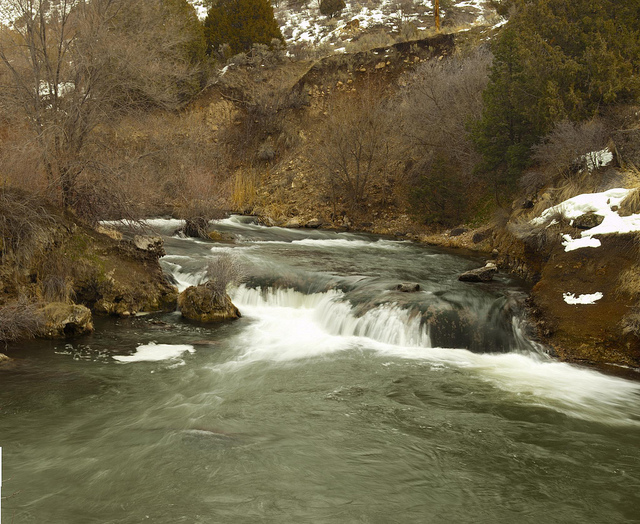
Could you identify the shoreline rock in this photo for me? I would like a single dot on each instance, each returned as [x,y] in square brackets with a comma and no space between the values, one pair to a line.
[481,274]
[66,320]
[203,304]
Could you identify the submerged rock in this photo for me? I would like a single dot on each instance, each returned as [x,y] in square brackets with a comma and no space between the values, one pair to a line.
[481,274]
[66,320]
[203,304]
[4,359]
[408,287]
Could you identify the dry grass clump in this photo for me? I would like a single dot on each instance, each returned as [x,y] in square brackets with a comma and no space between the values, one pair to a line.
[368,41]
[629,282]
[20,319]
[631,323]
[245,189]
[538,237]
[631,204]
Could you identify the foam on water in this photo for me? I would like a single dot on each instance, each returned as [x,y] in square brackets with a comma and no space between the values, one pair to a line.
[155,352]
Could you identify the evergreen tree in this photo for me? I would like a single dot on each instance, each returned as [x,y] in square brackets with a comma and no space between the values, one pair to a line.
[331,8]
[240,24]
[555,60]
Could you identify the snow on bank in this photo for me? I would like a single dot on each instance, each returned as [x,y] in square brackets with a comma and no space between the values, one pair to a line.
[155,352]
[605,204]
[570,244]
[591,298]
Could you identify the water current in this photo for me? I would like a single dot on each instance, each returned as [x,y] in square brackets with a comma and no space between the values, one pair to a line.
[334,399]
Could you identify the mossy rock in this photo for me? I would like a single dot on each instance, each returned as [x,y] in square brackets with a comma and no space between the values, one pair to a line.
[202,304]
[66,320]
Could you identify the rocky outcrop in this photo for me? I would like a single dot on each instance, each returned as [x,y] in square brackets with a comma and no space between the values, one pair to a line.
[152,245]
[482,274]
[4,360]
[292,223]
[122,278]
[588,221]
[204,304]
[66,320]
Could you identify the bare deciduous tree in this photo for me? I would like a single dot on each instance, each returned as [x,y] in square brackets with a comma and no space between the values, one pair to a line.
[436,106]
[355,152]
[70,67]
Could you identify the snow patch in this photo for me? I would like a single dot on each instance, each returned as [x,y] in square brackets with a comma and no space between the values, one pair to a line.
[571,244]
[605,204]
[592,298]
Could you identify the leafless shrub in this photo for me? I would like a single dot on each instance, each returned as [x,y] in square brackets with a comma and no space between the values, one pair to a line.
[566,149]
[436,105]
[20,319]
[221,272]
[532,181]
[24,224]
[356,151]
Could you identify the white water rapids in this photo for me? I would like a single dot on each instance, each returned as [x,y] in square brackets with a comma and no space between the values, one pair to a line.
[288,325]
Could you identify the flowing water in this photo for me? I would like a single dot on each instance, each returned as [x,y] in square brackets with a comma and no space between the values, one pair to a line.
[335,399]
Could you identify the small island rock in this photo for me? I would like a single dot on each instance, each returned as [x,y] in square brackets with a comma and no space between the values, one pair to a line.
[203,304]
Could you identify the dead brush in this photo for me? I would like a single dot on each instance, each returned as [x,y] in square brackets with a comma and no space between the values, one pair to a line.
[538,237]
[222,272]
[20,319]
[631,322]
[24,223]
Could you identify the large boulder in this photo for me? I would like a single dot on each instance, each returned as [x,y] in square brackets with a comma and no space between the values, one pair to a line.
[64,320]
[204,304]
[482,274]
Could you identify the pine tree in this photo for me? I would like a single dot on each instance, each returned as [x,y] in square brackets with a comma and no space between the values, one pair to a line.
[555,60]
[240,24]
[331,8]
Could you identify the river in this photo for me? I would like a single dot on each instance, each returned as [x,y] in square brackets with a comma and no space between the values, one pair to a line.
[334,399]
